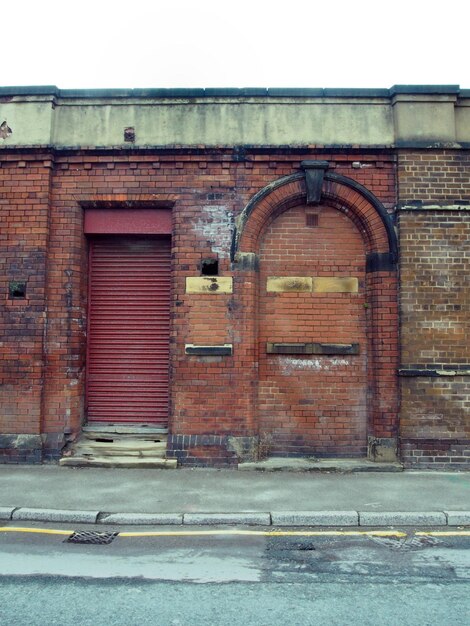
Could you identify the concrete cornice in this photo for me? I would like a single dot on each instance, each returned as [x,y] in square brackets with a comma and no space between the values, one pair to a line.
[426,116]
[246,92]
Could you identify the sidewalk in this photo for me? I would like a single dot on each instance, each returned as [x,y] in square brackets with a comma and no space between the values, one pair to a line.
[200,496]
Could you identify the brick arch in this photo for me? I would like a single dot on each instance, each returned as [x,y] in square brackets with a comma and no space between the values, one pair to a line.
[375,226]
[340,192]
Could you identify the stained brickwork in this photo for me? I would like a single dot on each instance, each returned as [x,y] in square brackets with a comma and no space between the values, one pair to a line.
[24,202]
[276,191]
[434,176]
[435,253]
[435,308]
[243,395]
[313,404]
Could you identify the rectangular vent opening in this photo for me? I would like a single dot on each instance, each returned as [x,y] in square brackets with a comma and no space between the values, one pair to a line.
[311,220]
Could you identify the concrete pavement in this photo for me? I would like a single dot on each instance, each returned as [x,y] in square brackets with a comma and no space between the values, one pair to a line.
[204,496]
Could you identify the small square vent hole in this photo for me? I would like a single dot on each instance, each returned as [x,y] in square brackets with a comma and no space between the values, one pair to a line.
[311,220]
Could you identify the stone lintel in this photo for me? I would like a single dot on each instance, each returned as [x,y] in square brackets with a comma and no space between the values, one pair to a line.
[316,284]
[324,284]
[209,284]
[295,284]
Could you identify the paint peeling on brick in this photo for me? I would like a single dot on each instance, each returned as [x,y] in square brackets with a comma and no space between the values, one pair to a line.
[289,364]
[215,224]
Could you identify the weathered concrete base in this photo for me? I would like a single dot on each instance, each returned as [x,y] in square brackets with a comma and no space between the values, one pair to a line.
[382,449]
[52,446]
[223,451]
[124,446]
[118,461]
[311,464]
[21,448]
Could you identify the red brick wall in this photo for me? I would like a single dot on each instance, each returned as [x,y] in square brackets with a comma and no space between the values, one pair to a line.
[24,202]
[211,397]
[315,404]
[435,308]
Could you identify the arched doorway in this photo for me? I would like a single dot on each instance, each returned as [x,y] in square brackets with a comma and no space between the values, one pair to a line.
[327,316]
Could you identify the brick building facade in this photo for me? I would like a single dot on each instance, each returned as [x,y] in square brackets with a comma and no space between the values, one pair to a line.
[250,272]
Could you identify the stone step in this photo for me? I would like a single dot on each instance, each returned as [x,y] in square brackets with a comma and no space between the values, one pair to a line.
[83,450]
[123,440]
[118,462]
[125,429]
[130,443]
[104,448]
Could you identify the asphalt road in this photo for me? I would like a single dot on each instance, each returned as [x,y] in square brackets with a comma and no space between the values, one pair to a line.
[405,578]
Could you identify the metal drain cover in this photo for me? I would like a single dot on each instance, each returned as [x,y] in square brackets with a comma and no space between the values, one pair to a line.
[91,537]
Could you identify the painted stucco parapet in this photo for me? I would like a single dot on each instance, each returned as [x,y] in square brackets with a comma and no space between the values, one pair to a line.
[403,115]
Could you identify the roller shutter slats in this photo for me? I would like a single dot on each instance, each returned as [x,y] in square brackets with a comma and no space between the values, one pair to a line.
[129,329]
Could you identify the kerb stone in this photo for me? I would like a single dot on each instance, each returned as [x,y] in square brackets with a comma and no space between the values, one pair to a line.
[458,518]
[315,518]
[250,519]
[6,512]
[142,518]
[55,515]
[401,518]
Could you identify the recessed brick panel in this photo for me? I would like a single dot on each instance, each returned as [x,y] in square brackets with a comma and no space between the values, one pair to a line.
[313,404]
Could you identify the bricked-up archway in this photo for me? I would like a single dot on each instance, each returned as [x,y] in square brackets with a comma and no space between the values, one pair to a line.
[342,204]
[339,191]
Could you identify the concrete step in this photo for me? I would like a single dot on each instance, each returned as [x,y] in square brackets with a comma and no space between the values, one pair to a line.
[108,448]
[111,450]
[125,429]
[118,462]
[124,444]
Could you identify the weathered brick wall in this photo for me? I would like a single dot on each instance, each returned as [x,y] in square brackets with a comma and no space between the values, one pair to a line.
[313,404]
[24,206]
[434,176]
[213,399]
[435,308]
[214,396]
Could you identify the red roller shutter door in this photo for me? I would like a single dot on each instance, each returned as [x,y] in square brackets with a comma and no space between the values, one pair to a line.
[128,330]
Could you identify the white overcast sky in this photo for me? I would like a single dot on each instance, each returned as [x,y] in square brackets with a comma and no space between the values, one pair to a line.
[234,43]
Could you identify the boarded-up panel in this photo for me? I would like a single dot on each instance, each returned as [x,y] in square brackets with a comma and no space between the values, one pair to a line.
[128,332]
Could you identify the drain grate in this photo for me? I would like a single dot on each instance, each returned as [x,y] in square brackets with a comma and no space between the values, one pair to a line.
[91,537]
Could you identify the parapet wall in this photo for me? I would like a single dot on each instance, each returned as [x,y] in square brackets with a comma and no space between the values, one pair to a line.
[400,116]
